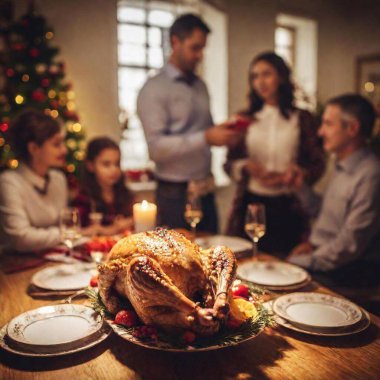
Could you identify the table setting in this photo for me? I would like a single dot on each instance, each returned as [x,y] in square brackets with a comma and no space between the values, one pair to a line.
[67,311]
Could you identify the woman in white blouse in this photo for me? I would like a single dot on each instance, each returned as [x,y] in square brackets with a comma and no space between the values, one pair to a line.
[32,196]
[279,137]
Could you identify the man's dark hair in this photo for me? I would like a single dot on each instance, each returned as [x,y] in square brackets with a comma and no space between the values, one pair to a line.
[184,25]
[360,108]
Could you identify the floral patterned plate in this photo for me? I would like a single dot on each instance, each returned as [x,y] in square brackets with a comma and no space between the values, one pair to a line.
[8,345]
[54,328]
[64,276]
[317,310]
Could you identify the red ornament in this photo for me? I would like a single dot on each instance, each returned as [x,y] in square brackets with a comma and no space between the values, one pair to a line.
[10,72]
[45,82]
[38,95]
[18,46]
[4,127]
[34,52]
[54,104]
[71,115]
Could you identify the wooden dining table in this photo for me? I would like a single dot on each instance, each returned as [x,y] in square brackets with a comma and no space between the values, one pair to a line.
[277,353]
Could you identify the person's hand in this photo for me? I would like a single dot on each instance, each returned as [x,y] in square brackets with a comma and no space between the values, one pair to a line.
[255,169]
[301,249]
[91,230]
[272,179]
[294,177]
[222,134]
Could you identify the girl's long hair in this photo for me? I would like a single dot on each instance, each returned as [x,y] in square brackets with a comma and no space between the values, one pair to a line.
[285,89]
[123,198]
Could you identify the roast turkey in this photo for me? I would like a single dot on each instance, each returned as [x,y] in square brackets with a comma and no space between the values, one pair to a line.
[170,282]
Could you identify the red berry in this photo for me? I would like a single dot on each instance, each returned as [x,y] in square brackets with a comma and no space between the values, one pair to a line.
[188,336]
[233,324]
[94,281]
[126,318]
[241,290]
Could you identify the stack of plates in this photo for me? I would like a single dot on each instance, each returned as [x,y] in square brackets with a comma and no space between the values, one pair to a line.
[239,246]
[54,330]
[274,275]
[319,314]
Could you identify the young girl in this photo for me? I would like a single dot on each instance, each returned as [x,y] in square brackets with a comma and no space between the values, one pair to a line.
[279,139]
[102,190]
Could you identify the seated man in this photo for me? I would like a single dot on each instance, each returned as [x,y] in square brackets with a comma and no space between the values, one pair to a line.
[347,227]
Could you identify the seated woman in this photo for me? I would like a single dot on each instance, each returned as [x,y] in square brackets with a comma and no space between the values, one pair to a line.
[103,191]
[279,137]
[33,195]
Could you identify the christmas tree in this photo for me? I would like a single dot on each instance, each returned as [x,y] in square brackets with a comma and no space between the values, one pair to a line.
[33,77]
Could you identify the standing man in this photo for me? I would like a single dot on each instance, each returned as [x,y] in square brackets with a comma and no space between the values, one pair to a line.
[174,109]
[347,229]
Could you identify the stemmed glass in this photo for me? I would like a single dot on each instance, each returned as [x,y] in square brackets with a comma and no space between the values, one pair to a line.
[193,212]
[69,223]
[255,224]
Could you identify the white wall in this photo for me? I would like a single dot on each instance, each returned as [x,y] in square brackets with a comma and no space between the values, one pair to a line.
[85,31]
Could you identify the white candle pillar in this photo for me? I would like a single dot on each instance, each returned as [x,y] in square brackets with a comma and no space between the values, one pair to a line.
[144,216]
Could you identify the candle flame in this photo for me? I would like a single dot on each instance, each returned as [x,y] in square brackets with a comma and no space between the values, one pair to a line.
[144,205]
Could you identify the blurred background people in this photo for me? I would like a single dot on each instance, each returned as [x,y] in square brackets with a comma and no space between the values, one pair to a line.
[104,203]
[347,229]
[174,109]
[33,195]
[279,137]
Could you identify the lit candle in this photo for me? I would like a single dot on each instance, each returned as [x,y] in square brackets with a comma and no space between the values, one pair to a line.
[144,216]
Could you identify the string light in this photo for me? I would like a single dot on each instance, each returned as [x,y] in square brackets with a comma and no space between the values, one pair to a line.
[13,164]
[70,105]
[54,114]
[25,78]
[79,155]
[369,87]
[77,128]
[71,143]
[70,95]
[49,35]
[47,111]
[70,168]
[2,141]
[19,99]
[52,94]
[7,148]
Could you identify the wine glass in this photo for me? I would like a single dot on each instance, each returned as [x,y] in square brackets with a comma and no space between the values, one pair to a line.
[255,224]
[193,212]
[69,223]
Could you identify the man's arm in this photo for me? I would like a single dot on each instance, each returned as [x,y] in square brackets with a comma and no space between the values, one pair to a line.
[310,200]
[361,225]
[163,147]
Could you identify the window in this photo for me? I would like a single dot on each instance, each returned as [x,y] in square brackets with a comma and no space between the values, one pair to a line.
[285,43]
[296,40]
[143,46]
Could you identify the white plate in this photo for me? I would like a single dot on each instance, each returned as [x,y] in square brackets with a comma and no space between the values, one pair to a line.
[317,310]
[7,345]
[360,326]
[53,328]
[236,244]
[271,273]
[64,277]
